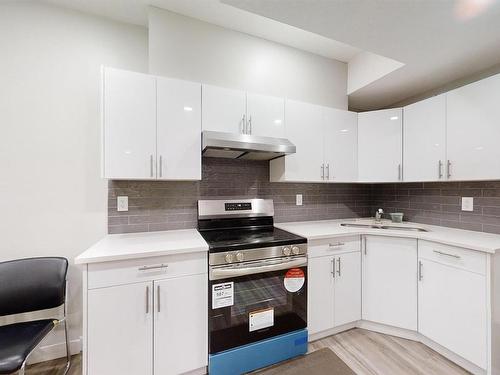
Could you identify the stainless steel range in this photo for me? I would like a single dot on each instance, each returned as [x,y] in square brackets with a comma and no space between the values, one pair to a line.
[257,286]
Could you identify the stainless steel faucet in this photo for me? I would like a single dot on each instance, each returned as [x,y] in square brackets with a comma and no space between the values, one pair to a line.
[378,215]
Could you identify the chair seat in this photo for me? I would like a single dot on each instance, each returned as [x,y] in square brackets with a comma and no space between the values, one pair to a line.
[18,340]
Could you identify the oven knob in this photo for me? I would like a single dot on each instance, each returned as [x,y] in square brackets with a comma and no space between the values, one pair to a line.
[229,258]
[286,251]
[295,250]
[240,257]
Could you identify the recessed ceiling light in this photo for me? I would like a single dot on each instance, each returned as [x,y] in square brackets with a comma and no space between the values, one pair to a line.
[188,109]
[344,130]
[394,118]
[277,122]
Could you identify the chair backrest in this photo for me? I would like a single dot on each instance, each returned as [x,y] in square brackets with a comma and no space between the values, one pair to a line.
[32,284]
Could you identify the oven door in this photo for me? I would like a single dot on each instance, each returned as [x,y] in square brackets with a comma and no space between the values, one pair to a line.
[253,301]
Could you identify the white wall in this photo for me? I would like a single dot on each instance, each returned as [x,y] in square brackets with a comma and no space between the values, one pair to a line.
[186,48]
[52,200]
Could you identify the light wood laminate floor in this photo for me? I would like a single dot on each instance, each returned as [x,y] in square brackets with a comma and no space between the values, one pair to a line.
[366,352]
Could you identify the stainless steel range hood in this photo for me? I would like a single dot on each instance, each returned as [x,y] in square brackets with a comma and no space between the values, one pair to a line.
[244,146]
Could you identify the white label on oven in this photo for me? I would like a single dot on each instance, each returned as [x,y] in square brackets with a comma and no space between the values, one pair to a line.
[260,319]
[222,295]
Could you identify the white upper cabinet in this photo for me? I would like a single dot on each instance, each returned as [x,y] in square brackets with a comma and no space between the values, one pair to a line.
[380,146]
[304,128]
[179,130]
[265,116]
[224,110]
[390,281]
[425,140]
[340,135]
[473,130]
[129,125]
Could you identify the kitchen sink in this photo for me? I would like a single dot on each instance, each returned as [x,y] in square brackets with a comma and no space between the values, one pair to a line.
[384,226]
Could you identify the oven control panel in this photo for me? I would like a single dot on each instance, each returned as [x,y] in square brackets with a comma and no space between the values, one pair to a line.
[240,206]
[247,255]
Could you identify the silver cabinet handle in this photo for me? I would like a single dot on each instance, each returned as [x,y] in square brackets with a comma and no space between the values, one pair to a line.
[151,165]
[243,125]
[339,267]
[449,169]
[333,268]
[323,171]
[336,244]
[440,169]
[364,244]
[399,172]
[327,171]
[147,299]
[447,254]
[419,271]
[156,266]
[158,297]
[250,125]
[161,166]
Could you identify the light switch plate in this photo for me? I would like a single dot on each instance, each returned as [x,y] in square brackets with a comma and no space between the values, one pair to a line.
[298,200]
[122,203]
[467,204]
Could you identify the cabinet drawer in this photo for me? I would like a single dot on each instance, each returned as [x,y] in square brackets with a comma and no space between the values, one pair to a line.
[145,269]
[469,260]
[334,245]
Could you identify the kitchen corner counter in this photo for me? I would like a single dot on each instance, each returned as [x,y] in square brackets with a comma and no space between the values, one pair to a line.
[115,247]
[314,230]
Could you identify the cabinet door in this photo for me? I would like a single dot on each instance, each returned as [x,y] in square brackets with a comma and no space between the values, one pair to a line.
[390,281]
[320,287]
[380,146]
[179,130]
[266,115]
[452,310]
[473,130]
[223,110]
[181,324]
[304,128]
[129,121]
[120,330]
[424,132]
[347,306]
[340,145]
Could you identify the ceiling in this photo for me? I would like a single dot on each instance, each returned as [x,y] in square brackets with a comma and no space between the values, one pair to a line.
[438,41]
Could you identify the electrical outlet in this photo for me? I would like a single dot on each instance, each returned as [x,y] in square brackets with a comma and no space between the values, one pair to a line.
[467,204]
[122,203]
[298,200]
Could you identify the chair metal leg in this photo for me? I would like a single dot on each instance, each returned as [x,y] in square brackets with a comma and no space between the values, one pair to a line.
[68,354]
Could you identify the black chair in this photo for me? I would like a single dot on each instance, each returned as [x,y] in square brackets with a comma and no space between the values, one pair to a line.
[28,285]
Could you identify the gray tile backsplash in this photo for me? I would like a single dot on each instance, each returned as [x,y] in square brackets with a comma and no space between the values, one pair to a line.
[439,203]
[165,205]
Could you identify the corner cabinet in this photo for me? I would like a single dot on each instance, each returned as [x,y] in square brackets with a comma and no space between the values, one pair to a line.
[390,281]
[146,316]
[424,140]
[380,146]
[326,141]
[334,285]
[151,127]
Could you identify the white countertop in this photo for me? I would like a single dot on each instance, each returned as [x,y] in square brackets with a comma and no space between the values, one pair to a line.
[141,245]
[313,230]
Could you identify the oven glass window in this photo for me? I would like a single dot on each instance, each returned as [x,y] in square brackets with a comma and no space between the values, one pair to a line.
[263,307]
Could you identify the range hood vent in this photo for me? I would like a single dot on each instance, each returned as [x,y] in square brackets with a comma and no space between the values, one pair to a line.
[244,146]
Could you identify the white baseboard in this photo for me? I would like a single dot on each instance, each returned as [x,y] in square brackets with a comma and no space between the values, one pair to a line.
[53,351]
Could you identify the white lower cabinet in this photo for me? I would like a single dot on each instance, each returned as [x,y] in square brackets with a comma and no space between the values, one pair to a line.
[180,313]
[334,286]
[390,281]
[120,330]
[157,325]
[452,301]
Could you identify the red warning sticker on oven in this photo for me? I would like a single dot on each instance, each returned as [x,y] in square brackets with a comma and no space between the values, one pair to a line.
[294,280]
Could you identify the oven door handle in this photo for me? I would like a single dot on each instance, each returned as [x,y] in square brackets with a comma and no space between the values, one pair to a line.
[226,272]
